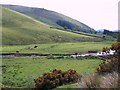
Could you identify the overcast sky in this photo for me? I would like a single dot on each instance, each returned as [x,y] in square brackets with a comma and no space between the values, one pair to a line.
[98,14]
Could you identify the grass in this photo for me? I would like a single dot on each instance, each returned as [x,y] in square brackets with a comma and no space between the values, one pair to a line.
[57,48]
[69,86]
[51,17]
[21,71]
[19,29]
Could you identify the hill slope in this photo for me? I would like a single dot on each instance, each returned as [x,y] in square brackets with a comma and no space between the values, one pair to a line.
[19,29]
[55,19]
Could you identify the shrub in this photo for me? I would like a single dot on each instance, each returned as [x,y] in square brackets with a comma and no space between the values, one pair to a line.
[116,46]
[56,78]
[112,65]
[105,49]
[108,66]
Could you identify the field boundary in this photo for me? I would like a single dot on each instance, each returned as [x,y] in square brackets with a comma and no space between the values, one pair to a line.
[30,54]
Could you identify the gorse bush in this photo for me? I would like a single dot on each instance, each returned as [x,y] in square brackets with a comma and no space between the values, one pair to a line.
[116,47]
[56,78]
[112,64]
[108,66]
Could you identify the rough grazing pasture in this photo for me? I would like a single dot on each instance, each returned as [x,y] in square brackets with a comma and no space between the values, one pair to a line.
[21,71]
[19,29]
[57,48]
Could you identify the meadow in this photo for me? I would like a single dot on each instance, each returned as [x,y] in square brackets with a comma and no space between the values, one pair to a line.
[21,71]
[56,48]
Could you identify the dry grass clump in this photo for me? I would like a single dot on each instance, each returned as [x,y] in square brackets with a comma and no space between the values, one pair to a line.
[89,81]
[2,86]
[109,81]
[97,81]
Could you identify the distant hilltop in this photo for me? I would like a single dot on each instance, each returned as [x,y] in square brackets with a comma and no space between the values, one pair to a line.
[56,20]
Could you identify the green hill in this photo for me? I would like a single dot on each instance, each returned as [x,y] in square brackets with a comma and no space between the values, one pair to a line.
[55,19]
[19,29]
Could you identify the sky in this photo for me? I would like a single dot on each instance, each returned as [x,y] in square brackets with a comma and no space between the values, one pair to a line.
[98,14]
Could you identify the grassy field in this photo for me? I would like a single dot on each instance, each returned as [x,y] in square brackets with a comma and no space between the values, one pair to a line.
[21,71]
[57,48]
[19,29]
[68,86]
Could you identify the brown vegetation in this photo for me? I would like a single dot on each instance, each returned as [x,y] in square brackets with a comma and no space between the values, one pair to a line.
[94,81]
[107,72]
[109,81]
[112,64]
[56,78]
[89,81]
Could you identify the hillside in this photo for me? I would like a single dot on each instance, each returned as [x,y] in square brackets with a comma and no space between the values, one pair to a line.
[55,19]
[114,34]
[19,29]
